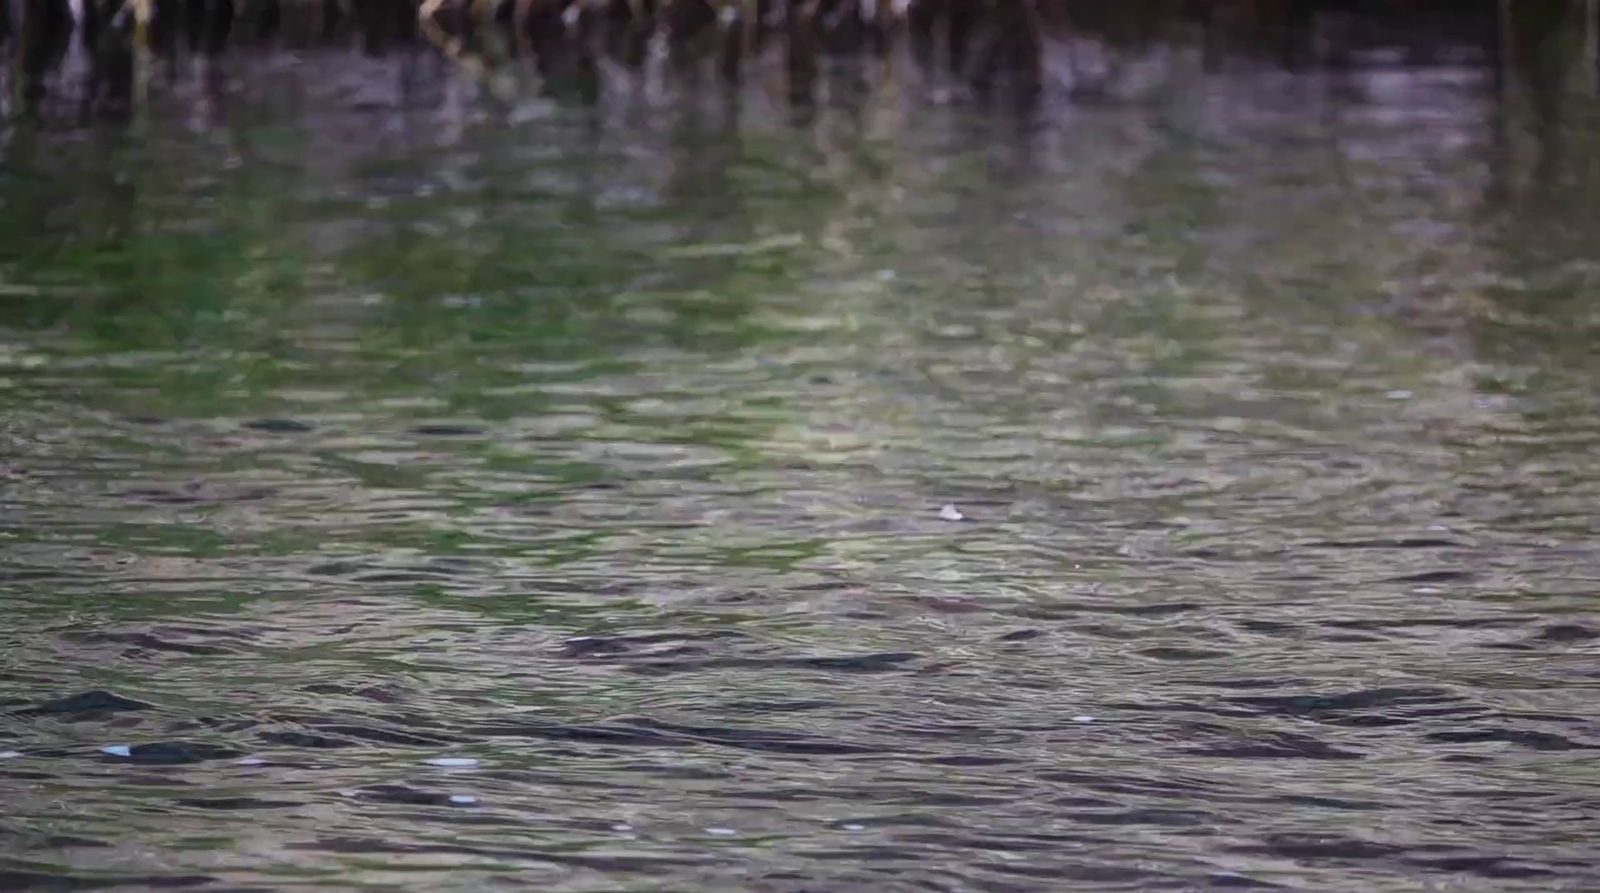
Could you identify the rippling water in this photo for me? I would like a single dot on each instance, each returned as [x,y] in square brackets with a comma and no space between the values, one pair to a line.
[404,489]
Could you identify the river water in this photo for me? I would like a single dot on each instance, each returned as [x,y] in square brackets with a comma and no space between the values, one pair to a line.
[413,482]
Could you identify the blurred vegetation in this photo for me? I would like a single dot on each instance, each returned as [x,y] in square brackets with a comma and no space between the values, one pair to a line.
[1009,48]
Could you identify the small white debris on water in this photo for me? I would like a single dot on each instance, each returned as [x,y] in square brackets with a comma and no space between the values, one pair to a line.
[949,512]
[463,798]
[453,762]
[1427,590]
[721,832]
[10,754]
[622,826]
[1399,394]
[852,827]
[1083,717]
[117,750]
[252,761]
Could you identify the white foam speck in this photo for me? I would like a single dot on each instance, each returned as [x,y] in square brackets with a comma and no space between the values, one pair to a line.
[949,512]
[453,762]
[252,761]
[721,832]
[622,826]
[1399,394]
[117,750]
[1427,590]
[1084,717]
[463,798]
[852,827]
[10,754]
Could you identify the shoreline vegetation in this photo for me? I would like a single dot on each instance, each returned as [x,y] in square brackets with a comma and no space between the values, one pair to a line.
[106,55]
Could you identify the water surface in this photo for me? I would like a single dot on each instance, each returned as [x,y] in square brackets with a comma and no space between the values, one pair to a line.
[420,488]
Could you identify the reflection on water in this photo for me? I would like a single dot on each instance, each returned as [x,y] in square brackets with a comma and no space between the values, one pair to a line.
[414,483]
